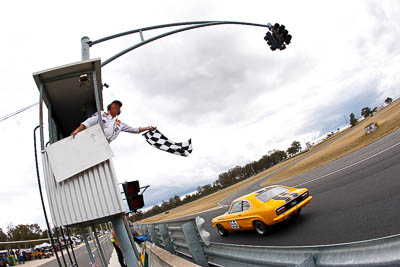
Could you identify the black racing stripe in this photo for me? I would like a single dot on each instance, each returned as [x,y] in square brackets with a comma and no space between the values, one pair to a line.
[287,197]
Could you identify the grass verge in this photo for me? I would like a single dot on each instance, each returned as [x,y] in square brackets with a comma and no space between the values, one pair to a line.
[388,120]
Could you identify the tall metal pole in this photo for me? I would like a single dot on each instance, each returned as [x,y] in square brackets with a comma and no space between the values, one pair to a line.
[131,237]
[87,245]
[41,117]
[59,243]
[85,48]
[97,98]
[98,245]
[66,243]
[124,242]
[72,247]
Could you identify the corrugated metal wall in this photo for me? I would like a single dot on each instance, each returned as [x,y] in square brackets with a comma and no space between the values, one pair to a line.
[89,195]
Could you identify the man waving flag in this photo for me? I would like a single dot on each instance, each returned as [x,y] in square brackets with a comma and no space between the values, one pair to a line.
[160,141]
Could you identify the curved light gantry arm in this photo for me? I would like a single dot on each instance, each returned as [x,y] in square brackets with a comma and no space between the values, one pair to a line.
[194,25]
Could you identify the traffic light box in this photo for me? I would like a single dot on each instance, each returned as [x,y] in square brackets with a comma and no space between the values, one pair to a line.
[134,199]
[277,37]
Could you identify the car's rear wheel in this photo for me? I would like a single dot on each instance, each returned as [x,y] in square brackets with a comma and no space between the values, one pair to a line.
[221,230]
[261,228]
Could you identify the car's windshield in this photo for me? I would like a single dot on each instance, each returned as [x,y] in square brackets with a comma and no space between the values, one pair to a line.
[270,193]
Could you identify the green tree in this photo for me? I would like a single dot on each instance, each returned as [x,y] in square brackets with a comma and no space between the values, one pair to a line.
[3,238]
[224,179]
[291,150]
[45,234]
[294,148]
[365,112]
[297,145]
[388,100]
[353,120]
[24,232]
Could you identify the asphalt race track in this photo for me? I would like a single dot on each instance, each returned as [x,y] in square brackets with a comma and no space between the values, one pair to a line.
[354,198]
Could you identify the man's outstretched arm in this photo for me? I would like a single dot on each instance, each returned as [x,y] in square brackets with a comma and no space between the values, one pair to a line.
[126,128]
[148,128]
[77,130]
[86,124]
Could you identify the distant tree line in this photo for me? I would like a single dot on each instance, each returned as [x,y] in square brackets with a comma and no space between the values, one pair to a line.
[21,232]
[225,179]
[367,111]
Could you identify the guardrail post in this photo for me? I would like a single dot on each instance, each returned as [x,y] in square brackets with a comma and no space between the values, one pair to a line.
[193,242]
[146,231]
[204,235]
[166,239]
[153,235]
[308,261]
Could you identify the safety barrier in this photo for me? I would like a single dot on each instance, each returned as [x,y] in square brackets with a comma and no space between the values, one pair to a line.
[188,239]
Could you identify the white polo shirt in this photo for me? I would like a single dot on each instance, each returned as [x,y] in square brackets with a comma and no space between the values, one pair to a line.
[112,126]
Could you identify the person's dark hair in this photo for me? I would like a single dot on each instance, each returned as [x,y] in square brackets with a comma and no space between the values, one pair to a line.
[115,102]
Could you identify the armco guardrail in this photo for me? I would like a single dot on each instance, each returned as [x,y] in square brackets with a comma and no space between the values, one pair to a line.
[189,240]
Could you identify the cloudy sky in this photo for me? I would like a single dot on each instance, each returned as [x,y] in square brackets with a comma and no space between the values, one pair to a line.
[220,86]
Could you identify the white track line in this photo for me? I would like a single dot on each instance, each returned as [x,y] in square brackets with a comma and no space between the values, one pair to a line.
[351,165]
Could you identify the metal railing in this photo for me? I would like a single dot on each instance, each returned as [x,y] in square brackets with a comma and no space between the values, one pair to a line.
[188,239]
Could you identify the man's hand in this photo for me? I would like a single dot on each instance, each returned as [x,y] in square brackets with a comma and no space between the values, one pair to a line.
[148,128]
[77,130]
[74,133]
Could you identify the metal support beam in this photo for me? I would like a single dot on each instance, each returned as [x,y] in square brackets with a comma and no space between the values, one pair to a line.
[141,36]
[66,243]
[59,244]
[96,94]
[153,236]
[124,242]
[72,247]
[41,116]
[166,239]
[128,229]
[195,248]
[91,257]
[99,248]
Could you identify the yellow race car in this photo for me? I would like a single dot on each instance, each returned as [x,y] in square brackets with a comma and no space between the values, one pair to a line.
[262,208]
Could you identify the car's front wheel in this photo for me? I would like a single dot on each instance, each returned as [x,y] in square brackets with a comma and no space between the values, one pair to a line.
[261,228]
[221,230]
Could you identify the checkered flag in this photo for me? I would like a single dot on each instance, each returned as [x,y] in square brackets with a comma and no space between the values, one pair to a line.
[160,141]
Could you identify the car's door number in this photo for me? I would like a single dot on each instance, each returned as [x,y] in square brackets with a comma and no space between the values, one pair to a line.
[234,224]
